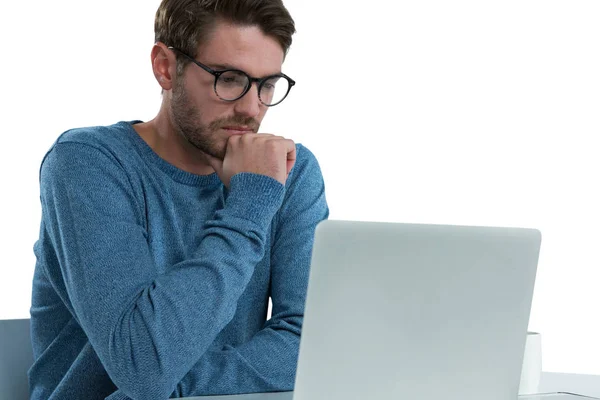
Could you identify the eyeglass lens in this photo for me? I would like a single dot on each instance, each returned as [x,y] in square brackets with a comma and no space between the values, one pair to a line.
[231,84]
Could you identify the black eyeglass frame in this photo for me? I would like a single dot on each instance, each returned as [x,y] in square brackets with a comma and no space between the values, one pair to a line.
[251,80]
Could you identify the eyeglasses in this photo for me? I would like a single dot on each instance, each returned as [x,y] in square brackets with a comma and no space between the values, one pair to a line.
[233,84]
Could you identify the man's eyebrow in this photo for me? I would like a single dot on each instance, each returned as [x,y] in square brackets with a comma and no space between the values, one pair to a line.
[218,67]
[222,66]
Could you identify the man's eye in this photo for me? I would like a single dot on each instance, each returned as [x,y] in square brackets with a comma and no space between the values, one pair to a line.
[232,80]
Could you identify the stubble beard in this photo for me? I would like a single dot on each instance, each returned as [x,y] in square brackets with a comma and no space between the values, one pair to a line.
[186,122]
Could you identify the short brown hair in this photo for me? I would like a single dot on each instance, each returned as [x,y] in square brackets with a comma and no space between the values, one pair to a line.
[184,24]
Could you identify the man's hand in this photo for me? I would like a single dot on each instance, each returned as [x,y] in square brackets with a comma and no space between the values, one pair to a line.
[262,154]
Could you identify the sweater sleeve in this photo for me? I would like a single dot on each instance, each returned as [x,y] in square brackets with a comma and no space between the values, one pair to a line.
[144,325]
[268,361]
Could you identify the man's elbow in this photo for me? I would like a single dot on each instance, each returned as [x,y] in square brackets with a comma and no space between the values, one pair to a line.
[139,376]
[144,388]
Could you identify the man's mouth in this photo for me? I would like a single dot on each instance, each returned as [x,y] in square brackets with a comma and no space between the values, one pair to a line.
[237,130]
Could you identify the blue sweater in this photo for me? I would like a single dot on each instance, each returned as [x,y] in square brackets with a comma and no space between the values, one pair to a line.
[152,282]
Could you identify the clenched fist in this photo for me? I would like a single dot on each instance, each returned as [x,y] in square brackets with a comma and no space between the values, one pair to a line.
[262,154]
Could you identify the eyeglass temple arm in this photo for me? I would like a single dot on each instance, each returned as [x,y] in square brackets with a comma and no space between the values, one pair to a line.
[204,67]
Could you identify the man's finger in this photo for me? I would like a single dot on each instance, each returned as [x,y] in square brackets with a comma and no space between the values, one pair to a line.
[291,155]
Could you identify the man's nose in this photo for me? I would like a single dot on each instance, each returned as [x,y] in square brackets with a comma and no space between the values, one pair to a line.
[249,105]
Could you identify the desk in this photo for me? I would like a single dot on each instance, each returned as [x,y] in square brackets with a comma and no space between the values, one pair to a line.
[588,385]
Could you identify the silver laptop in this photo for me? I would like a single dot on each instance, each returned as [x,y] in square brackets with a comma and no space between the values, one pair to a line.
[416,312]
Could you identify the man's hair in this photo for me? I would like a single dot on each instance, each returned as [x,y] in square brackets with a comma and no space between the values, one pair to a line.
[186,24]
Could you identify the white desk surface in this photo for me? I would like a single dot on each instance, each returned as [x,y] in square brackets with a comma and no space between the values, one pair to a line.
[588,385]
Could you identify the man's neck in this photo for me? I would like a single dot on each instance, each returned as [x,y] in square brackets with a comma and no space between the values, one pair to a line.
[171,146]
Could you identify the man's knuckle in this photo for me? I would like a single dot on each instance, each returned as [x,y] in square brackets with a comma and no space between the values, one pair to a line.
[273,145]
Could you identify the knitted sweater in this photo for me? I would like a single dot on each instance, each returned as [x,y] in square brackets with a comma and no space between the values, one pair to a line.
[152,282]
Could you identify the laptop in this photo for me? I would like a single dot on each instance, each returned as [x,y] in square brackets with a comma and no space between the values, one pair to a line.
[416,312]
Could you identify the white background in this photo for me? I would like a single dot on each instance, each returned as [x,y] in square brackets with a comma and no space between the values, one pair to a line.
[434,111]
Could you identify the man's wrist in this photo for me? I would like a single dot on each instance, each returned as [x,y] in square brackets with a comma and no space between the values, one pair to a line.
[254,197]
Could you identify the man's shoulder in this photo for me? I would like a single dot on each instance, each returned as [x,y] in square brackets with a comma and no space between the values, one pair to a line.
[305,175]
[102,137]
[305,189]
[306,161]
[93,147]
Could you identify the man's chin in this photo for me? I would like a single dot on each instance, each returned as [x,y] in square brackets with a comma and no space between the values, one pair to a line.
[213,150]
[216,150]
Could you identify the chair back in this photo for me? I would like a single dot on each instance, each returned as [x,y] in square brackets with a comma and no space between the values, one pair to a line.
[16,357]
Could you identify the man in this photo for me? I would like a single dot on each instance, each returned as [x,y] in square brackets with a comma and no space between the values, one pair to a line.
[161,242]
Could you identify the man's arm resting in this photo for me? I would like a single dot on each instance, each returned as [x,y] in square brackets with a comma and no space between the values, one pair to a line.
[142,324]
[268,361]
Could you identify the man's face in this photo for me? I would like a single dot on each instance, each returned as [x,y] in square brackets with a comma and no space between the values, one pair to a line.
[197,113]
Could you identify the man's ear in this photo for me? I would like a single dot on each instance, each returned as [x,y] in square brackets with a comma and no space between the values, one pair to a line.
[164,65]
